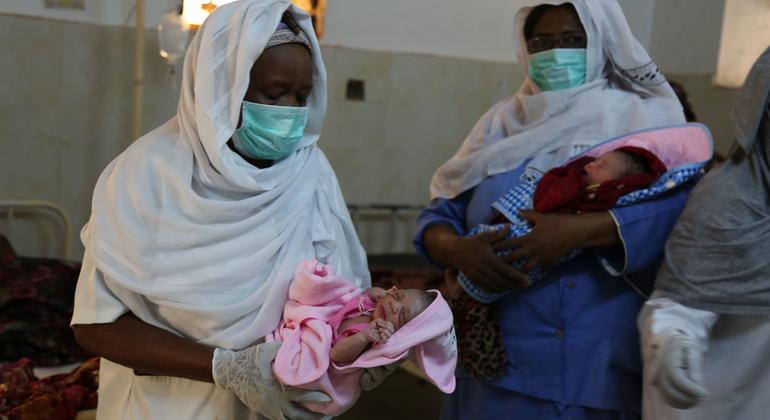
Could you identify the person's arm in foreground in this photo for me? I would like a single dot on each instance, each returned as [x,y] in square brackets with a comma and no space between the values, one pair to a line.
[629,238]
[147,349]
[440,238]
[247,373]
[556,235]
[553,236]
[474,256]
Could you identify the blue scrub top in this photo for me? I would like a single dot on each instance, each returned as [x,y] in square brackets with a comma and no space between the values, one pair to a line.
[572,338]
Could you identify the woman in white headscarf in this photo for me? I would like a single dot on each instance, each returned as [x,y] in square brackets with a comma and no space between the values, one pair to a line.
[706,329]
[569,343]
[197,228]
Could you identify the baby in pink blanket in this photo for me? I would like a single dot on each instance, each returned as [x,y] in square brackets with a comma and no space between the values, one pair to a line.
[372,318]
[332,330]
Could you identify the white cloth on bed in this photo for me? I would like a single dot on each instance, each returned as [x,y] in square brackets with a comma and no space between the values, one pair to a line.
[622,81]
[192,239]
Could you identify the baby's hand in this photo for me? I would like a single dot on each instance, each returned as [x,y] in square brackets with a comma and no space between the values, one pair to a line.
[378,331]
[375,293]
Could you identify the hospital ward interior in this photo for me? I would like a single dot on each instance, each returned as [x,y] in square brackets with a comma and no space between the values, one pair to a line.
[385,209]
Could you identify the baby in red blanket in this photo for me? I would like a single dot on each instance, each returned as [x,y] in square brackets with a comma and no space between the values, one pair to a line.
[590,184]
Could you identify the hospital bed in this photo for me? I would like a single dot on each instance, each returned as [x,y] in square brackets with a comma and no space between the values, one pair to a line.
[11,210]
[42,229]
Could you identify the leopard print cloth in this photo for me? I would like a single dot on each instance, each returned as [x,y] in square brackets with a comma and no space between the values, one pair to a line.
[479,340]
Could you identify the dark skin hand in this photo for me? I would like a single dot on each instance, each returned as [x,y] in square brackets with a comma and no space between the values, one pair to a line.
[553,237]
[282,75]
[131,342]
[474,256]
[556,235]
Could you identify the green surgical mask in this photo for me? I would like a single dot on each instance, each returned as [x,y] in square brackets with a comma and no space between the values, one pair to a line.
[269,132]
[558,68]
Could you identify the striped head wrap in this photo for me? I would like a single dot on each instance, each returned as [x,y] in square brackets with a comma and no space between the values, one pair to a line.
[285,35]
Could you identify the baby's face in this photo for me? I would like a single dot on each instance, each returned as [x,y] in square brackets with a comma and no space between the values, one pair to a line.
[400,306]
[609,166]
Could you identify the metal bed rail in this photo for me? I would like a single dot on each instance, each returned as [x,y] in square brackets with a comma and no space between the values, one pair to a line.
[9,208]
[392,213]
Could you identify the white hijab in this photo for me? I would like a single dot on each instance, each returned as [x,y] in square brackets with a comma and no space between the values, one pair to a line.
[624,92]
[194,239]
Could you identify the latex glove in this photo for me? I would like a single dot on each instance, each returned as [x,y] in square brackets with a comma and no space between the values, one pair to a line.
[373,377]
[679,376]
[249,374]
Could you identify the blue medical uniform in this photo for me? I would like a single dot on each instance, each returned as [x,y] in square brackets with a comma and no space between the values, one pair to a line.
[571,339]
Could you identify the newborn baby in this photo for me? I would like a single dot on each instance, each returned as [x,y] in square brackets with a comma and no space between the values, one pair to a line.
[332,330]
[584,184]
[591,184]
[372,318]
[614,165]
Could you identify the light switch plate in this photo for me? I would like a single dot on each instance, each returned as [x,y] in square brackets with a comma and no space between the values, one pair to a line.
[65,4]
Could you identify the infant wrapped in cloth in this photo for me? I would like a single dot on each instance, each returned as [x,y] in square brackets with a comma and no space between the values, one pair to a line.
[314,322]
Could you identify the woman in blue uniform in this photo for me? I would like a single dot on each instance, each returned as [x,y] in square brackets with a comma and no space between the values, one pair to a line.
[570,340]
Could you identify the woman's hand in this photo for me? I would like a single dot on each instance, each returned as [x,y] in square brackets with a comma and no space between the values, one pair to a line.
[475,257]
[556,235]
[248,373]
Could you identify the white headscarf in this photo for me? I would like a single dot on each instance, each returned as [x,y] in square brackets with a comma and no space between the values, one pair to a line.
[190,236]
[623,92]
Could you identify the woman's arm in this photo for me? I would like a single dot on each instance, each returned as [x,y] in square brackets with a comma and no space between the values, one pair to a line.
[645,228]
[147,349]
[440,239]
[474,256]
[629,238]
[556,235]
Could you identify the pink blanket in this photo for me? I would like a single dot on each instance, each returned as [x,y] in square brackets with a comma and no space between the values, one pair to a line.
[303,361]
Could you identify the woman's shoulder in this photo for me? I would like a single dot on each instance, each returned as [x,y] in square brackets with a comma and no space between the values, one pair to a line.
[151,153]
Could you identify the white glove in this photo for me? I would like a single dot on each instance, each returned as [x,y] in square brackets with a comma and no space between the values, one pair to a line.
[373,377]
[249,374]
[679,376]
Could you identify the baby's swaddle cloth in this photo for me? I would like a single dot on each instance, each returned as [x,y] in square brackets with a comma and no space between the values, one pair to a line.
[303,361]
[683,149]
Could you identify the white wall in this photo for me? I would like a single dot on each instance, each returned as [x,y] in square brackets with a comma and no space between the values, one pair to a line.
[478,29]
[685,35]
[682,35]
[100,12]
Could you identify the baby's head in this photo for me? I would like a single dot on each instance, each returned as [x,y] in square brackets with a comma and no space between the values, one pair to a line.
[400,306]
[614,165]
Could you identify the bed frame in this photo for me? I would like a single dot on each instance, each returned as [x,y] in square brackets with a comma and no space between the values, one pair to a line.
[9,209]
